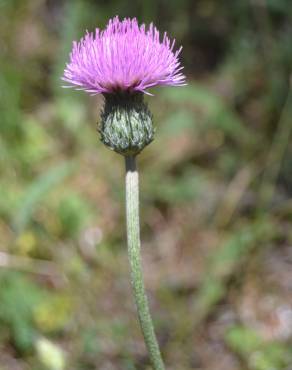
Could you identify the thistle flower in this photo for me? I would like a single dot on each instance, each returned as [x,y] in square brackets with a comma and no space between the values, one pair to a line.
[121,63]
[125,57]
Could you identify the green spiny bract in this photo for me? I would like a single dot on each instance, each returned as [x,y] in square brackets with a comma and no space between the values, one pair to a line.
[126,123]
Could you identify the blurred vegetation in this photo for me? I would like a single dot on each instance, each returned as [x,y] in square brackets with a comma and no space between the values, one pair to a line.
[215,200]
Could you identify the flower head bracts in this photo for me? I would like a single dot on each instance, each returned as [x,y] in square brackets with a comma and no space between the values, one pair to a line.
[123,57]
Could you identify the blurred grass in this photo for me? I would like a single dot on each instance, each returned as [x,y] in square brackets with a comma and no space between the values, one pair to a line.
[215,194]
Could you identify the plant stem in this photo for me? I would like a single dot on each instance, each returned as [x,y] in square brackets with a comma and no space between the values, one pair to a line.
[134,247]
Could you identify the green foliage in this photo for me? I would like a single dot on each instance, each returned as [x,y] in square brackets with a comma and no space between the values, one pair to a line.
[73,213]
[259,355]
[18,299]
[223,264]
[45,313]
[36,192]
[209,111]
[76,15]
[239,244]
[27,310]
[10,88]
[177,122]
[9,199]
[243,340]
[190,185]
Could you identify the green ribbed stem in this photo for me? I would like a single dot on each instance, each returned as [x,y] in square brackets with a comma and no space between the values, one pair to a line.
[134,246]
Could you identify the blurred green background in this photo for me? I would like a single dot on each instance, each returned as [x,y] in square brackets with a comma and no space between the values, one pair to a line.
[216,187]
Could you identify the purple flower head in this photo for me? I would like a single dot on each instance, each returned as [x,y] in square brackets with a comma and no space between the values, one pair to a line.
[123,57]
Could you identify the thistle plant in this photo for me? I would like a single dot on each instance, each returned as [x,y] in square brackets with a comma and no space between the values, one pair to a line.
[121,63]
